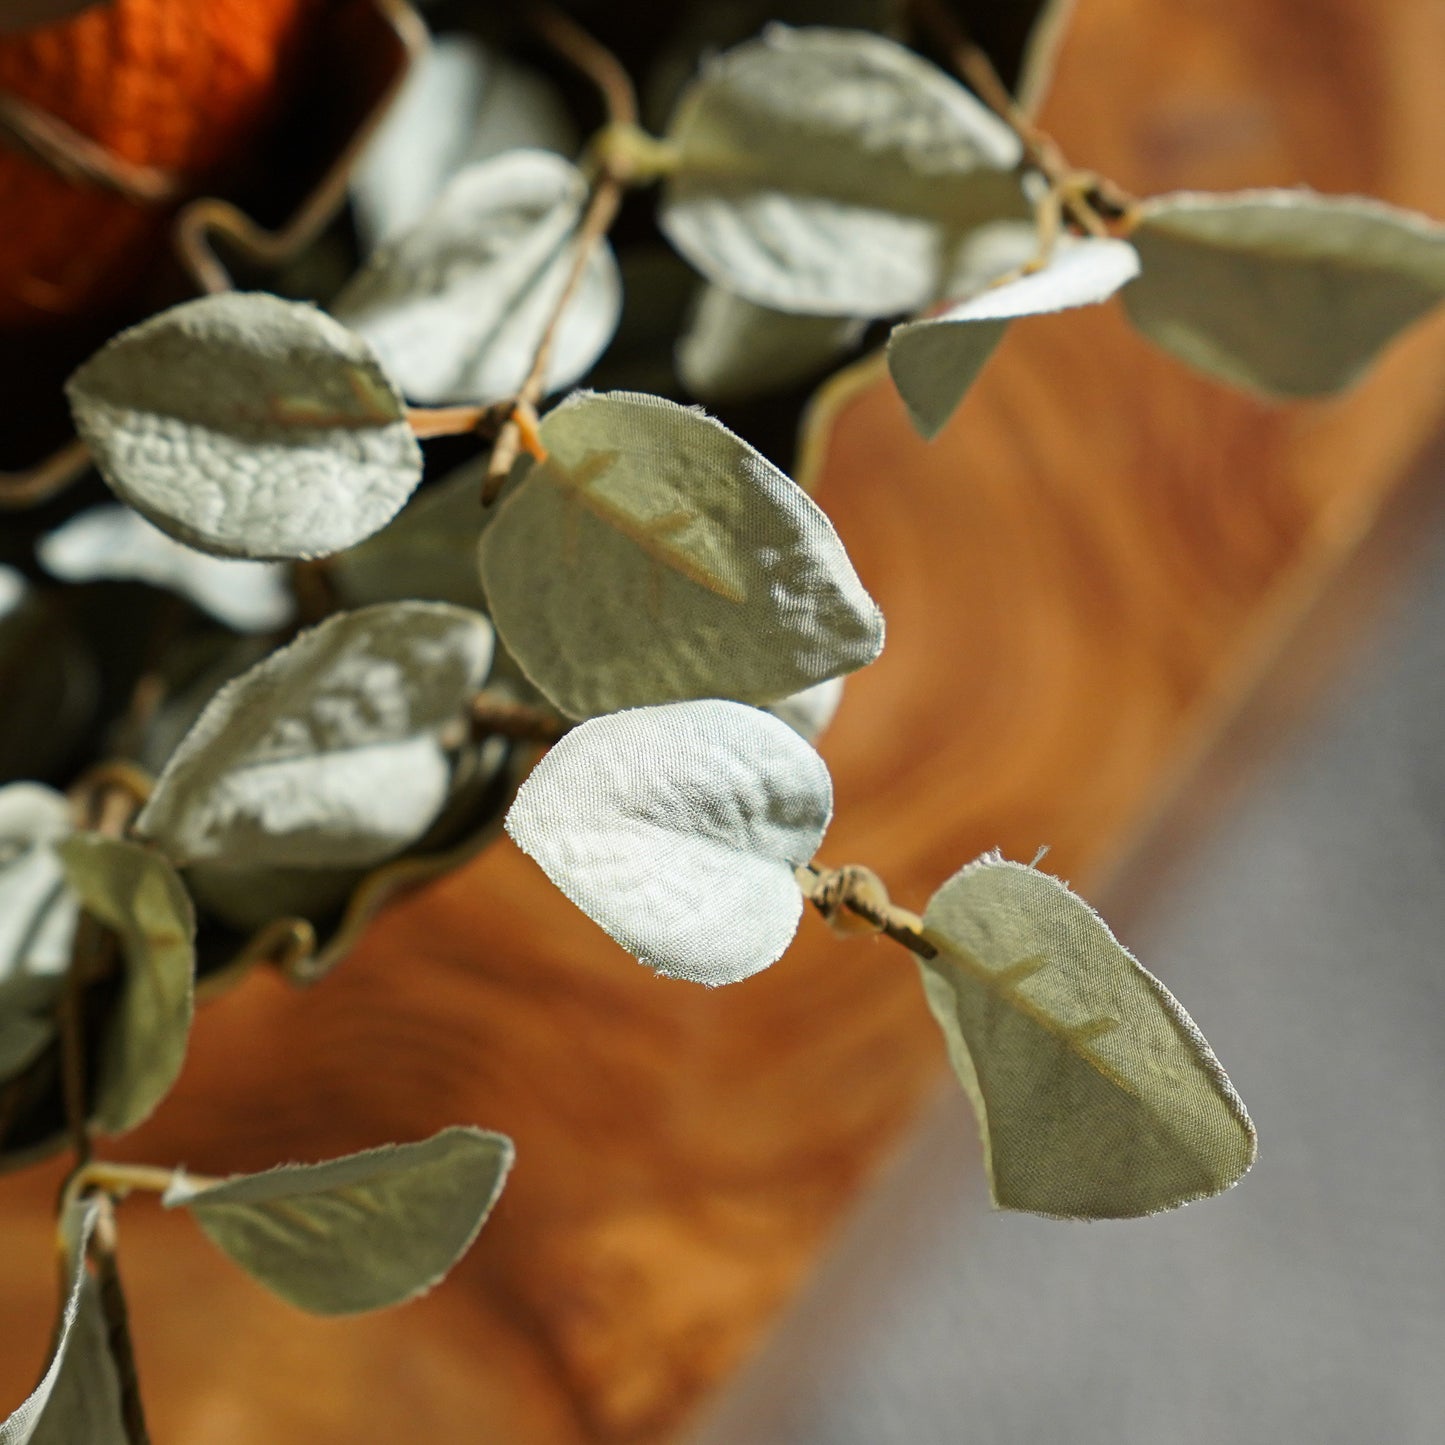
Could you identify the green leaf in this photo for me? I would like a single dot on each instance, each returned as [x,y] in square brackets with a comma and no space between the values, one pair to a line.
[1283,292]
[429,552]
[936,360]
[809,712]
[655,556]
[327,753]
[248,426]
[77,1401]
[1097,1096]
[457,305]
[678,829]
[135,892]
[832,172]
[113,543]
[359,1233]
[37,920]
[247,899]
[733,349]
[462,102]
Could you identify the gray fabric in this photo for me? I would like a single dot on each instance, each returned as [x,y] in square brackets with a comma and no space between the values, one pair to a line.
[1308,1304]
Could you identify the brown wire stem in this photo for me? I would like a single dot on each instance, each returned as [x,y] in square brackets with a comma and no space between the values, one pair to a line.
[1084,195]
[500,717]
[59,146]
[63,467]
[619,99]
[853,900]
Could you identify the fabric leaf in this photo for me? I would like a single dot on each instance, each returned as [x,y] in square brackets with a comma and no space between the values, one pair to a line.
[936,360]
[1096,1095]
[733,349]
[456,305]
[677,829]
[462,102]
[832,172]
[1289,293]
[113,543]
[248,426]
[134,891]
[429,552]
[325,754]
[359,1233]
[654,556]
[37,920]
[77,1401]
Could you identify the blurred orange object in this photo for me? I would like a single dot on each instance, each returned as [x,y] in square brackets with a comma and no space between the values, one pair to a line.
[184,86]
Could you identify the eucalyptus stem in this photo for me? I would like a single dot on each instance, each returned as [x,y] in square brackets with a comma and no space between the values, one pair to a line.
[615,174]
[492,716]
[49,478]
[1082,193]
[851,896]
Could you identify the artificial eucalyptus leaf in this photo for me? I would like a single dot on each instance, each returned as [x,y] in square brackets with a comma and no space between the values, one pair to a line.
[248,426]
[358,1233]
[247,899]
[936,360]
[327,753]
[1289,293]
[1097,1097]
[429,552]
[457,304]
[678,830]
[77,1401]
[134,891]
[113,543]
[832,172]
[809,712]
[654,556]
[37,920]
[48,669]
[462,102]
[733,349]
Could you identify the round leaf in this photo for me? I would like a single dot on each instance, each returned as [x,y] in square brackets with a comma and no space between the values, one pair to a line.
[832,172]
[1097,1096]
[733,349]
[135,892]
[37,920]
[360,1233]
[457,305]
[810,712]
[936,360]
[326,754]
[462,102]
[655,556]
[248,426]
[678,829]
[1283,292]
[429,552]
[113,543]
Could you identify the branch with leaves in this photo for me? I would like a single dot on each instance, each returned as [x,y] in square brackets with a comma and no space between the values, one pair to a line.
[647,604]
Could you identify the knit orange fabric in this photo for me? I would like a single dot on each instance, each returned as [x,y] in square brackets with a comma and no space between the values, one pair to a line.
[179,84]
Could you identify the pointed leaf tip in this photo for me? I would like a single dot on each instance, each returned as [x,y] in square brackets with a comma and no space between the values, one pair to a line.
[359,1233]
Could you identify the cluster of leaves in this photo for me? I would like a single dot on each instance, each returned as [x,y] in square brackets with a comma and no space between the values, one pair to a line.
[644,588]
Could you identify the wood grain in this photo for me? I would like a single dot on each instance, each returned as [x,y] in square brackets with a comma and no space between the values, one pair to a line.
[1081,578]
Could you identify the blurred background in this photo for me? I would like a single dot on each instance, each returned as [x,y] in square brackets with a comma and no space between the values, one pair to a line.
[1190,642]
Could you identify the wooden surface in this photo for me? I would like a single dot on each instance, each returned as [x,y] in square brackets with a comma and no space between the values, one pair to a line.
[1081,578]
